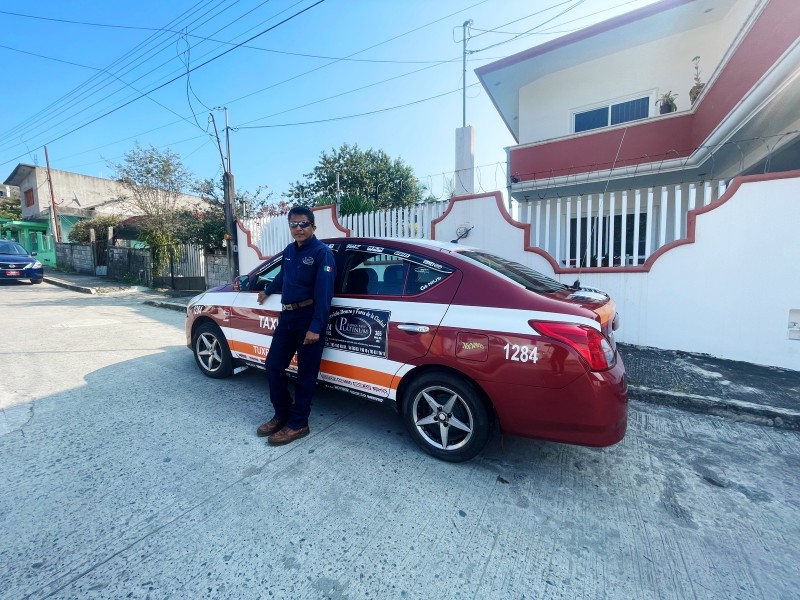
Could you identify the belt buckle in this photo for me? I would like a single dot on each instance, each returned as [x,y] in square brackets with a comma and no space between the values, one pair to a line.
[287,307]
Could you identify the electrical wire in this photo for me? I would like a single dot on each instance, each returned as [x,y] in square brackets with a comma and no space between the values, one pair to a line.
[295,15]
[363,114]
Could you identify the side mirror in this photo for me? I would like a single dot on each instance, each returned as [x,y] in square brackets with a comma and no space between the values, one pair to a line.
[34,253]
[242,283]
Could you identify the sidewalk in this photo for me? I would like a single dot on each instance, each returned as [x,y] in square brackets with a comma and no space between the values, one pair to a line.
[693,382]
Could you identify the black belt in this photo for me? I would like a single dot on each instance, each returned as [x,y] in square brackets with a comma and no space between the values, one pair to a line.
[296,305]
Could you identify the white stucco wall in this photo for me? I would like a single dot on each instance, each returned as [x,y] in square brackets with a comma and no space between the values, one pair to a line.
[729,294]
[547,105]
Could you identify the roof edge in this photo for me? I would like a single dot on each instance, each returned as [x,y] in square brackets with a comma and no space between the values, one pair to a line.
[582,34]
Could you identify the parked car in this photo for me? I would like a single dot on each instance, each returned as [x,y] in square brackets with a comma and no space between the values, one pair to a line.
[453,337]
[16,263]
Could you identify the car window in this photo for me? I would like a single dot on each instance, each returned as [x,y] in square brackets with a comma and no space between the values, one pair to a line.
[380,271]
[267,275]
[525,276]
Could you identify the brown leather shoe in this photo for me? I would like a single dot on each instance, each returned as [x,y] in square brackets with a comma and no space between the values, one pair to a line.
[286,435]
[270,427]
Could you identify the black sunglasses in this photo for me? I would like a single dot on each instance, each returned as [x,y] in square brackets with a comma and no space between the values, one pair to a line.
[301,224]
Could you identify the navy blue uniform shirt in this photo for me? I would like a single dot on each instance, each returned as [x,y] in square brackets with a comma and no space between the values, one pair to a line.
[308,272]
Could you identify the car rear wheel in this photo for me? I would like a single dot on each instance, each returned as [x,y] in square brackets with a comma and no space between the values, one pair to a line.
[211,351]
[446,416]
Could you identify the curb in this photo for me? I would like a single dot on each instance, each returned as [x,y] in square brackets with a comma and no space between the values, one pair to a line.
[167,304]
[737,410]
[70,286]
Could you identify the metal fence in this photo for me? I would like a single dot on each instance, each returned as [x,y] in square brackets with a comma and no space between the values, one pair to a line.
[616,228]
[271,235]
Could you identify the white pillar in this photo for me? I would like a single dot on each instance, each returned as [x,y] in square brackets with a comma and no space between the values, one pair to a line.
[465,161]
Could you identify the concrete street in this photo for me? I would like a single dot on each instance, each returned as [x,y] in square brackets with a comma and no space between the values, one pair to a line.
[125,473]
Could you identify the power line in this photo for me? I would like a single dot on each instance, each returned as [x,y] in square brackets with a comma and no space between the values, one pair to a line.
[243,44]
[179,76]
[85,89]
[371,112]
[577,3]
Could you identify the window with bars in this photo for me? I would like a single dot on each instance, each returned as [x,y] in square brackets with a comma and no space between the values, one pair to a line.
[614,114]
[599,241]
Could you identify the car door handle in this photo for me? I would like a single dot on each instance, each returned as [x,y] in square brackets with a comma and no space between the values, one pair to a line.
[413,328]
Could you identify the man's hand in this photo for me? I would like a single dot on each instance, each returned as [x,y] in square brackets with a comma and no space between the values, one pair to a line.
[311,338]
[262,296]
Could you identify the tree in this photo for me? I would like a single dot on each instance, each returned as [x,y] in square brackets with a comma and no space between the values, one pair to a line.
[249,205]
[79,234]
[368,179]
[10,208]
[155,181]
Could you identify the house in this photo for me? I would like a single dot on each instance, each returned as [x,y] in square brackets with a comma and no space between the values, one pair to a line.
[76,197]
[681,215]
[583,107]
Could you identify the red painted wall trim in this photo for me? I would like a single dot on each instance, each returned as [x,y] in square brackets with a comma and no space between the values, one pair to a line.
[498,198]
[334,218]
[691,223]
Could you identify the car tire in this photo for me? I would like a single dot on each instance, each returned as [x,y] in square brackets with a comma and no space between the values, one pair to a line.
[446,416]
[35,281]
[211,352]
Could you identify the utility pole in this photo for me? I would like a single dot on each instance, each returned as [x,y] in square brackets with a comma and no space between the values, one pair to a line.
[464,73]
[230,207]
[53,213]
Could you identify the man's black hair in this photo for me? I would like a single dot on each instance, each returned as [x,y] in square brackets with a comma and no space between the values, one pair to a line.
[301,210]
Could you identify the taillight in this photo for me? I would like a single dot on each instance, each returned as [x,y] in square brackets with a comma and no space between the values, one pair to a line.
[590,343]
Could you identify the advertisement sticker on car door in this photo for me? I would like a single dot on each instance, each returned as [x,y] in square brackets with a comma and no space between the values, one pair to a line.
[360,330]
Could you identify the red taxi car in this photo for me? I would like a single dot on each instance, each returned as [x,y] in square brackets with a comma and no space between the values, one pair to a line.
[454,337]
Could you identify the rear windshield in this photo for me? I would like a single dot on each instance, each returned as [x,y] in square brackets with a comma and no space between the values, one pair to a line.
[525,276]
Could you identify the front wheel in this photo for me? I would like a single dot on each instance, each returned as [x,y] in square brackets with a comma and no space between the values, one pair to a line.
[211,351]
[446,416]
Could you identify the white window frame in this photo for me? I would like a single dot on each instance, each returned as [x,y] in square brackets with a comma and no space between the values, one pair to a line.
[649,94]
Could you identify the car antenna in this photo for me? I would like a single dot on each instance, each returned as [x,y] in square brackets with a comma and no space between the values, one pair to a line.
[463,234]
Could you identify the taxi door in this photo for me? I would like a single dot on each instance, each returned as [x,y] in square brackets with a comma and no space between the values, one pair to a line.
[385,314]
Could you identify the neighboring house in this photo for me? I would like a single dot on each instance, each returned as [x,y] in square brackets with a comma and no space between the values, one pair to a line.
[76,196]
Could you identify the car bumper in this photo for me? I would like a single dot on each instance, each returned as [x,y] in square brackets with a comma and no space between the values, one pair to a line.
[21,274]
[590,411]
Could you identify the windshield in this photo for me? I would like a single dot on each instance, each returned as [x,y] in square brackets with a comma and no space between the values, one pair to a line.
[525,276]
[12,248]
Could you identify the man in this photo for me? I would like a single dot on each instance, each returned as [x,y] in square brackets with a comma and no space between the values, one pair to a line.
[305,283]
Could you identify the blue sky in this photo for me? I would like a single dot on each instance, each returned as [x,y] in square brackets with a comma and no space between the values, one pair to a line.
[90,79]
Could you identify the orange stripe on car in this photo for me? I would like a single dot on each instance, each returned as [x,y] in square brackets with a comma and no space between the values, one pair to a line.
[326,366]
[359,373]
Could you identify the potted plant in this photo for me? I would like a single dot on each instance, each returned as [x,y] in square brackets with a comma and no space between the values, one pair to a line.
[666,103]
[698,85]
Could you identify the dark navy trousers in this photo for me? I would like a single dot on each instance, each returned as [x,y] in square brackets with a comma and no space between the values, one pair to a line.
[288,339]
